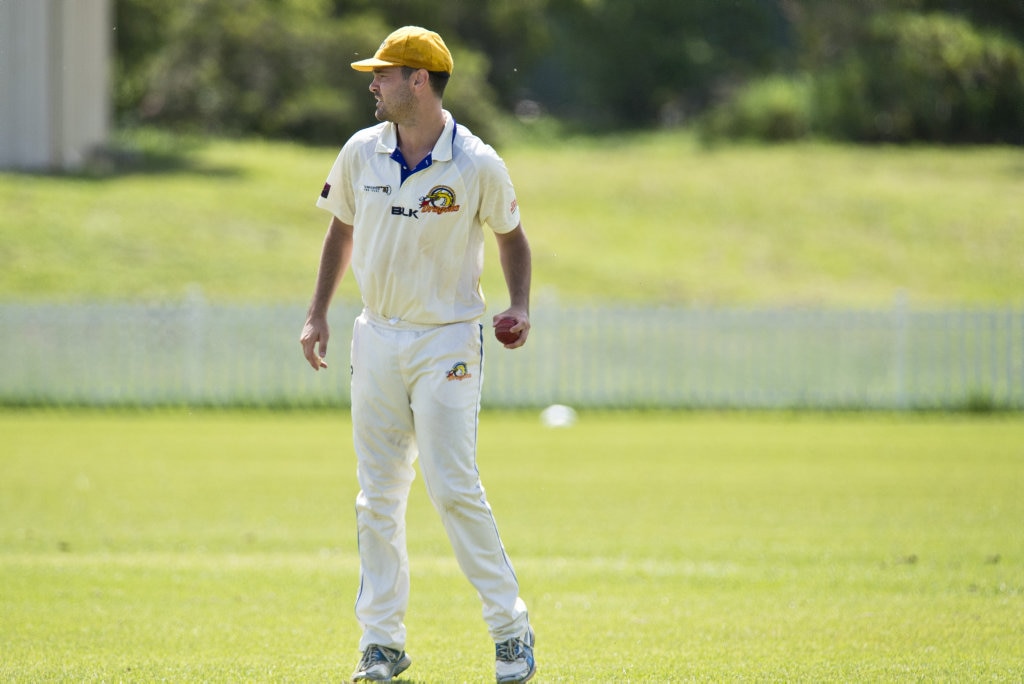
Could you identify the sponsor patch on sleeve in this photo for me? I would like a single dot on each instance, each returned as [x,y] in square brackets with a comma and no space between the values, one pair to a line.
[326,191]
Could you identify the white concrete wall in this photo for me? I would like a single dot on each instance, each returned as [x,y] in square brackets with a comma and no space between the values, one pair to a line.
[55,81]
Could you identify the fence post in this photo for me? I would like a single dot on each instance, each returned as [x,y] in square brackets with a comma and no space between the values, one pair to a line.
[902,314]
[195,327]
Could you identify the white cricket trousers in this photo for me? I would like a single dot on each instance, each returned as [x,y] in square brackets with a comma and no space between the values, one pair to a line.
[416,393]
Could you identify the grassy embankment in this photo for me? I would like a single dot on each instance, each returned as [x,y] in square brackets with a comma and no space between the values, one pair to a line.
[651,218]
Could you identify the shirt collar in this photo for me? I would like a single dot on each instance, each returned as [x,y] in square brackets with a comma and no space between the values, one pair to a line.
[388,139]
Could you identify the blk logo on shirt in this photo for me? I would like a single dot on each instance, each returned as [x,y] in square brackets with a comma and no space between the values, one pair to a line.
[404,211]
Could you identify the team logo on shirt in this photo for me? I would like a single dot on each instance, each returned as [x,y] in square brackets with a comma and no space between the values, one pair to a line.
[460,371]
[440,200]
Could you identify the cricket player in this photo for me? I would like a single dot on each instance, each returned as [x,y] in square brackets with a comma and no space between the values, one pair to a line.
[410,199]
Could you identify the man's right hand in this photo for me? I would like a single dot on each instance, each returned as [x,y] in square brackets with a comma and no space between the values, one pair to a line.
[314,339]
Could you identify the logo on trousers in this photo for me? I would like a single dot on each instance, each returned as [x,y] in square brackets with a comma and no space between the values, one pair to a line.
[460,371]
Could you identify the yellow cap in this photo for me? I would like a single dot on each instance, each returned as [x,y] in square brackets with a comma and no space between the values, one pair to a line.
[410,46]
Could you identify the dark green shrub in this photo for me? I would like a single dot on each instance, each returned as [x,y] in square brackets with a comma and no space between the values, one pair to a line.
[281,70]
[774,109]
[925,78]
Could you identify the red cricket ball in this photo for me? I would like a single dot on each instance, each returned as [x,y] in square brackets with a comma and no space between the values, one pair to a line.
[503,331]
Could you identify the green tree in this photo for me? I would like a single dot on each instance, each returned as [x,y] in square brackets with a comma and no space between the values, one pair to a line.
[616,63]
[277,68]
[142,30]
[280,67]
[1004,16]
[925,77]
[271,68]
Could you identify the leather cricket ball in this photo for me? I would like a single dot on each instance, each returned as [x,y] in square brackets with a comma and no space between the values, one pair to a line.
[503,331]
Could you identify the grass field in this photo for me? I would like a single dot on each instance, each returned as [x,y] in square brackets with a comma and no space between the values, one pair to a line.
[651,218]
[219,547]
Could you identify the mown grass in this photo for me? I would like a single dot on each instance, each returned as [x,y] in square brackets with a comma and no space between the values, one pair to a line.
[647,218]
[192,546]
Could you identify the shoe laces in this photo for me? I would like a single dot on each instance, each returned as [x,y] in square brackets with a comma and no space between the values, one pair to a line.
[510,650]
[374,655]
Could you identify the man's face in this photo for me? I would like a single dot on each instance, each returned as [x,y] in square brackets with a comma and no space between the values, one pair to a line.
[393,93]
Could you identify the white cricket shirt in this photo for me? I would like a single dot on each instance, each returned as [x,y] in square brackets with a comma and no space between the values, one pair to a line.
[418,245]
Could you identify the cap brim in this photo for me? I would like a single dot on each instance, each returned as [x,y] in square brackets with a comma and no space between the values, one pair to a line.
[371,64]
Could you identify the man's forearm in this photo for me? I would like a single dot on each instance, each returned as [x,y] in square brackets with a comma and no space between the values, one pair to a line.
[334,261]
[517,265]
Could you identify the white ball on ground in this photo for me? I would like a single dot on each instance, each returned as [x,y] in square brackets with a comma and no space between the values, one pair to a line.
[558,416]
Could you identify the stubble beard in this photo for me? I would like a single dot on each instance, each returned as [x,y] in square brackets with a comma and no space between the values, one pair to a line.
[398,108]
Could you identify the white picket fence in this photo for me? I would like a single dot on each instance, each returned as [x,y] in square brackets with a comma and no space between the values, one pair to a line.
[196,353]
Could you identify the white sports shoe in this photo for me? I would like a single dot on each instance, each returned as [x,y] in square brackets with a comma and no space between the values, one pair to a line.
[513,662]
[380,664]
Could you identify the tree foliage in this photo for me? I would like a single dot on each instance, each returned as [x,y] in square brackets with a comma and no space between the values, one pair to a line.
[280,67]
[925,77]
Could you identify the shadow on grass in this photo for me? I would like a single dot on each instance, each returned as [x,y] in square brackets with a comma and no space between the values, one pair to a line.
[148,152]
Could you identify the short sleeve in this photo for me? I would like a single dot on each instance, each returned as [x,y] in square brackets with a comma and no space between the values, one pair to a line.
[337,196]
[499,208]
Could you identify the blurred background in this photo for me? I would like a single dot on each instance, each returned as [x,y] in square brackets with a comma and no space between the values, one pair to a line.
[734,203]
